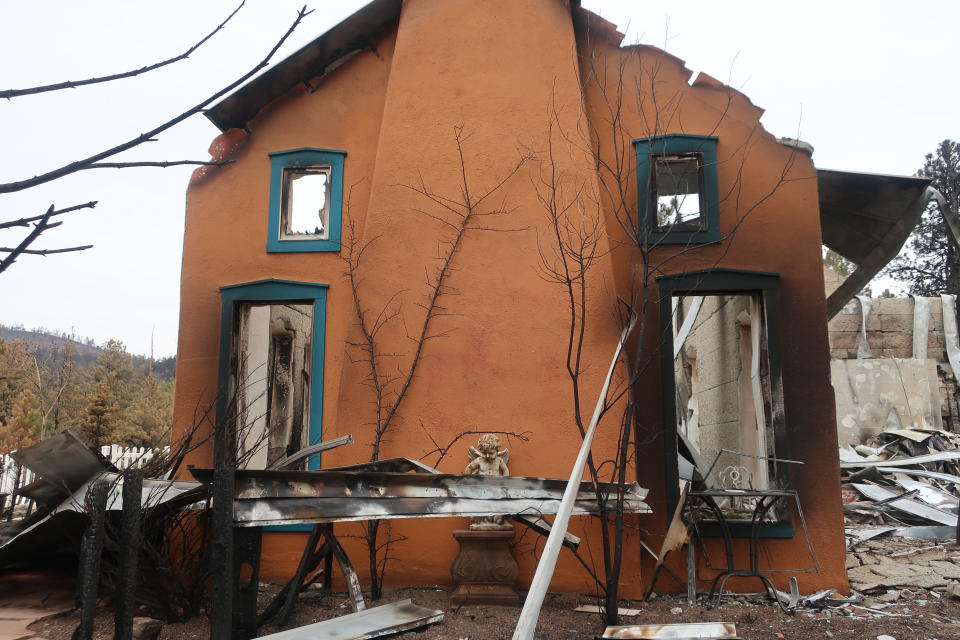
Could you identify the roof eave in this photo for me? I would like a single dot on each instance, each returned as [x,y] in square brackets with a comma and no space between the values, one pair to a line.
[357,32]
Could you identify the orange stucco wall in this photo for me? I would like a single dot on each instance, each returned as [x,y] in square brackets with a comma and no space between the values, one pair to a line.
[497,69]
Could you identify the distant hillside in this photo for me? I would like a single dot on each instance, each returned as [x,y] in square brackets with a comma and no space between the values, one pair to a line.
[85,351]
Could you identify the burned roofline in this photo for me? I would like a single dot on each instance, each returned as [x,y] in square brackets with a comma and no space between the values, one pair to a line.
[357,32]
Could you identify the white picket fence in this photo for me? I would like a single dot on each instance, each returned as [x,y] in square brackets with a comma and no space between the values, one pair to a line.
[121,457]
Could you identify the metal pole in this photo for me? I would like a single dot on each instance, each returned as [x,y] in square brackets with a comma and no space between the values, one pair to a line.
[530,614]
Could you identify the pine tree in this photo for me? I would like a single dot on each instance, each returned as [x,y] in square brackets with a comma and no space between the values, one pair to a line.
[13,382]
[930,261]
[146,421]
[23,427]
[70,409]
[114,367]
[101,419]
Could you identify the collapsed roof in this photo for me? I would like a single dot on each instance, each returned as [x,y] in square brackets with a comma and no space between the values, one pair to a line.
[866,218]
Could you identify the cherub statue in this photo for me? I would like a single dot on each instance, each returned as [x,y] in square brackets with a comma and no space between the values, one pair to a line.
[487,459]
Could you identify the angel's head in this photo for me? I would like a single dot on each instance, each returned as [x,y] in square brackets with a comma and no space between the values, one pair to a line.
[488,445]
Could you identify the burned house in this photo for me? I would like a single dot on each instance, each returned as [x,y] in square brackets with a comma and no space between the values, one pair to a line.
[399,194]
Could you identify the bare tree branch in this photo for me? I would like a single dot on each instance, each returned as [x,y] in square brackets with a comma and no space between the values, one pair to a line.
[71,84]
[456,214]
[43,252]
[25,222]
[39,228]
[159,163]
[86,162]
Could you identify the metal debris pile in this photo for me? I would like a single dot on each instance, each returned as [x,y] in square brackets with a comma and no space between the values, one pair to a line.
[904,482]
[901,496]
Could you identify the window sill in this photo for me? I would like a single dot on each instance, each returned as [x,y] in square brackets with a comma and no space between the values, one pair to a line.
[742,530]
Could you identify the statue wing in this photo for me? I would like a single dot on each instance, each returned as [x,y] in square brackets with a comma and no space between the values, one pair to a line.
[505,454]
[472,453]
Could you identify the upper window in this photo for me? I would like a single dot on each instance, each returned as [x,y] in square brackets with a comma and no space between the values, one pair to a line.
[306,198]
[677,189]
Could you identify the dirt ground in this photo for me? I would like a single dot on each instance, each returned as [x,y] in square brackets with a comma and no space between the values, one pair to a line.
[917,614]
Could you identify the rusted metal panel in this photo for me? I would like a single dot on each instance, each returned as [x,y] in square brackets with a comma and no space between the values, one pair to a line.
[268,511]
[253,484]
[680,631]
[369,623]
[153,493]
[273,497]
[64,461]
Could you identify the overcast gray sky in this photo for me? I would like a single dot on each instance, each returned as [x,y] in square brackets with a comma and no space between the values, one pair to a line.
[870,84]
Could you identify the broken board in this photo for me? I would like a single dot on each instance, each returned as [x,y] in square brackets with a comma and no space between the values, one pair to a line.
[681,631]
[369,623]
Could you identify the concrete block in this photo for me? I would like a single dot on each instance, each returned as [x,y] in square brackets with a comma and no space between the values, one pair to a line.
[897,322]
[936,322]
[845,322]
[840,354]
[844,339]
[902,306]
[898,340]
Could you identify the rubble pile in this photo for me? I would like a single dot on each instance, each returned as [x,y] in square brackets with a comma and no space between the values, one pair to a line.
[905,480]
[901,494]
[891,567]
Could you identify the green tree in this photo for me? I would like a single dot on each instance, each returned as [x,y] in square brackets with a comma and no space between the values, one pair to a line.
[23,426]
[101,420]
[69,379]
[930,261]
[145,422]
[13,359]
[114,368]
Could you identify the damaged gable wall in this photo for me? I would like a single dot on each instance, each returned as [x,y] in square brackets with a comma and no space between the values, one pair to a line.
[768,225]
[495,69]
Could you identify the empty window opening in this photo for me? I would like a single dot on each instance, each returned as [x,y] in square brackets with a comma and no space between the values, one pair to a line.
[305,214]
[677,185]
[723,393]
[270,380]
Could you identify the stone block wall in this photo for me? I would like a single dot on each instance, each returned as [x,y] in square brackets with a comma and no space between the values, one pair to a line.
[889,330]
[890,335]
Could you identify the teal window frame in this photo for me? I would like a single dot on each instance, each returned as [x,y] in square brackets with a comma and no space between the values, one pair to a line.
[268,292]
[297,159]
[648,149]
[719,281]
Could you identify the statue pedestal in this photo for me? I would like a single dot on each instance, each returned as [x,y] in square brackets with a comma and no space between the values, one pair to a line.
[485,571]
